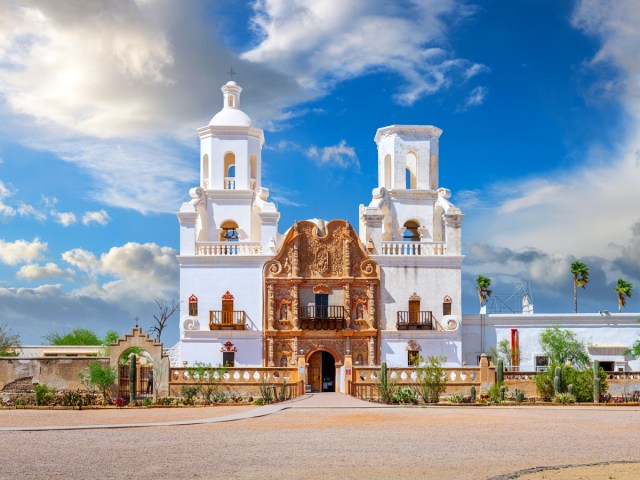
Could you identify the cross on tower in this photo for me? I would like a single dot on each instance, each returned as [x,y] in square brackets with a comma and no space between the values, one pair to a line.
[231,73]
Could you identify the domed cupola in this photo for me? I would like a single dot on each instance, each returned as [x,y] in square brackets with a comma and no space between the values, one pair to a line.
[231,115]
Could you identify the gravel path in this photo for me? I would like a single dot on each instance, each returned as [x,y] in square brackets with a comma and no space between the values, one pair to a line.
[348,442]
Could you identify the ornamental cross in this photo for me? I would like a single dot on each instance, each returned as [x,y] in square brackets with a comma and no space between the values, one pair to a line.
[231,73]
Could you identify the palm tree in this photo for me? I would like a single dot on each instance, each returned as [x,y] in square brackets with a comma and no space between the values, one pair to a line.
[580,273]
[623,289]
[483,284]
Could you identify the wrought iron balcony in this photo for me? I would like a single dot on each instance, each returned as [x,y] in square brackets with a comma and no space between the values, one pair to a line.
[422,320]
[219,320]
[321,317]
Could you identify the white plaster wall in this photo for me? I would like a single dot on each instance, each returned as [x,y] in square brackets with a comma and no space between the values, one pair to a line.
[410,274]
[592,329]
[418,208]
[242,276]
[206,347]
[238,210]
[443,344]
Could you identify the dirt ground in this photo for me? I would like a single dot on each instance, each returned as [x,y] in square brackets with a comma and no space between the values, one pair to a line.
[28,418]
[629,471]
[348,442]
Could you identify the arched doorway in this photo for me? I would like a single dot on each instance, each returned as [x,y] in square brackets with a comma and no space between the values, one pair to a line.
[322,372]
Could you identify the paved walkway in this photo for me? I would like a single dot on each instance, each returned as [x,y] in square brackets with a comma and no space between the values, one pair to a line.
[313,400]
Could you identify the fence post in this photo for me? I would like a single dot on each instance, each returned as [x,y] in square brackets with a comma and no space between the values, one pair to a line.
[487,374]
[301,375]
[348,375]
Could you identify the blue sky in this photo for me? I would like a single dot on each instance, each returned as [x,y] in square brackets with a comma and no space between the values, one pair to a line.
[99,102]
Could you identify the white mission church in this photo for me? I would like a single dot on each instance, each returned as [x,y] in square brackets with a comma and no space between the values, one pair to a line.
[252,296]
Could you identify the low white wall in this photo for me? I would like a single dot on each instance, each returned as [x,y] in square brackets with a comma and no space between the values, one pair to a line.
[206,346]
[440,344]
[606,336]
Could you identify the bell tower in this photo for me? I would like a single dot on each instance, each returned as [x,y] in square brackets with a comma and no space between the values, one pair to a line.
[230,147]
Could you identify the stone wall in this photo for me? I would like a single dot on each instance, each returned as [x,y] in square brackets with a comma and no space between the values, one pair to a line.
[18,375]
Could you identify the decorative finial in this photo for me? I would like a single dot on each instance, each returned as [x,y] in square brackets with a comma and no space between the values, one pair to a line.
[231,73]
[137,320]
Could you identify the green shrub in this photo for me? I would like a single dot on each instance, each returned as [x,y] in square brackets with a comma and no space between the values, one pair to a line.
[20,402]
[405,395]
[582,382]
[456,398]
[564,398]
[218,397]
[44,394]
[164,401]
[147,402]
[494,393]
[188,394]
[77,398]
[431,378]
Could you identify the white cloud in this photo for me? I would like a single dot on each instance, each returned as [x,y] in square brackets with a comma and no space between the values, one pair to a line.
[133,272]
[100,217]
[340,155]
[475,98]
[8,210]
[21,251]
[581,210]
[37,272]
[324,42]
[66,218]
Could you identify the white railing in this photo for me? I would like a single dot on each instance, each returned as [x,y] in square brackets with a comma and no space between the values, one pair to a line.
[229,183]
[414,248]
[228,248]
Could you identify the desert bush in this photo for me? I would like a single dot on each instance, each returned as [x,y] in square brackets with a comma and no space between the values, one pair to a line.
[405,395]
[164,401]
[431,378]
[44,394]
[120,402]
[564,398]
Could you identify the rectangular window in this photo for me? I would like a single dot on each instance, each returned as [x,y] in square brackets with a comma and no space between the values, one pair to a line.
[412,357]
[193,309]
[542,363]
[322,305]
[228,359]
[446,308]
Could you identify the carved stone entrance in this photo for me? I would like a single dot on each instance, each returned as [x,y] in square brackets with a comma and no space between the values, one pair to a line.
[322,372]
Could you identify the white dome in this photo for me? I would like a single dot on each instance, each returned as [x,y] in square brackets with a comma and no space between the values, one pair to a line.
[230,117]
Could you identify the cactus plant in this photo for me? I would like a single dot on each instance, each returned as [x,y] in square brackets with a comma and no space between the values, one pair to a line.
[500,371]
[383,375]
[502,390]
[519,396]
[473,394]
[557,385]
[596,381]
[132,378]
[570,389]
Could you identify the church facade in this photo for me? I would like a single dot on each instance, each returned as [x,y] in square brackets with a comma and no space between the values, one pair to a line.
[251,296]
[381,293]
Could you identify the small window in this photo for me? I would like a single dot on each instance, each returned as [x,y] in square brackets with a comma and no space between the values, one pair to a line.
[542,363]
[193,306]
[607,366]
[412,357]
[232,101]
[446,306]
[411,233]
[228,359]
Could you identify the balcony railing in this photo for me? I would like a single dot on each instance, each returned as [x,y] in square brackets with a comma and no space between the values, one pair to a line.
[228,248]
[422,249]
[219,320]
[229,183]
[321,317]
[422,320]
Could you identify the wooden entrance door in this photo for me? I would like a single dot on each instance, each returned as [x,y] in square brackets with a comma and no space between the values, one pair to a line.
[315,372]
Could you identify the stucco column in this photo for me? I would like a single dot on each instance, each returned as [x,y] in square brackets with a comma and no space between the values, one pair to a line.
[346,254]
[372,351]
[270,306]
[294,307]
[347,304]
[453,227]
[371,304]
[270,352]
